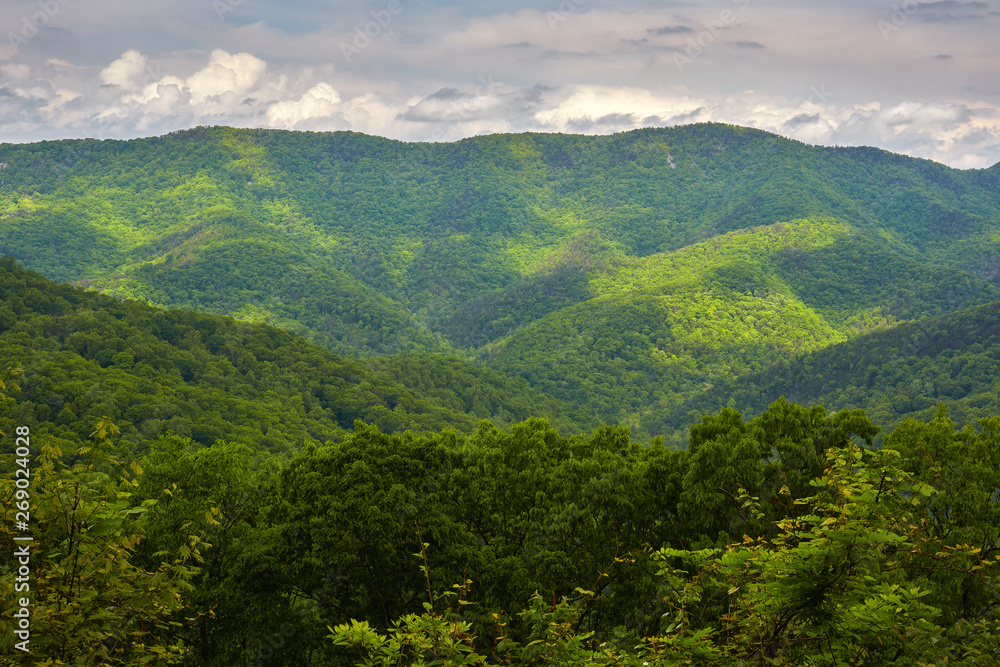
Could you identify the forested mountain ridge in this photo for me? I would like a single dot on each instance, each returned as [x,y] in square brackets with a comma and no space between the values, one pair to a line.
[670,325]
[892,374]
[620,273]
[206,491]
[83,356]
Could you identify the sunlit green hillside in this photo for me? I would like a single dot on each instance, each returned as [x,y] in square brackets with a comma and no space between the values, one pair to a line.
[620,273]
[905,371]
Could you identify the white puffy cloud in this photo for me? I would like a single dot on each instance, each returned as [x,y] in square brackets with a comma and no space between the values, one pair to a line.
[320,101]
[225,74]
[163,98]
[609,108]
[124,71]
[148,98]
[168,87]
[916,115]
[443,71]
[138,95]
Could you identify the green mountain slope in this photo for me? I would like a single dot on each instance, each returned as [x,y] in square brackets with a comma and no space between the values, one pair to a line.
[430,226]
[620,273]
[668,325]
[905,371]
[83,356]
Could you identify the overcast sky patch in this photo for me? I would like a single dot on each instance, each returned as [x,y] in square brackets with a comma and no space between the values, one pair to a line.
[670,30]
[918,78]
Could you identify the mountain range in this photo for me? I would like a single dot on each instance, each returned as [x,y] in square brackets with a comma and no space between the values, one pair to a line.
[642,278]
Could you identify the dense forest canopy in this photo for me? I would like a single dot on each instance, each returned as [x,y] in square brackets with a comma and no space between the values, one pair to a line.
[641,399]
[780,539]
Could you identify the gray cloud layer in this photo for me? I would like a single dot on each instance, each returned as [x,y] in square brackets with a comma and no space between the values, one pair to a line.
[913,77]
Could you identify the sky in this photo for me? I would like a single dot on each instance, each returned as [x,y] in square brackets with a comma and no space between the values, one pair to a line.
[919,78]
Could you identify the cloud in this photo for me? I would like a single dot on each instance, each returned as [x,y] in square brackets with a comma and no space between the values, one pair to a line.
[669,30]
[225,74]
[801,119]
[15,71]
[591,108]
[448,70]
[489,100]
[123,72]
[922,116]
[953,4]
[951,10]
[611,122]
[957,134]
[320,101]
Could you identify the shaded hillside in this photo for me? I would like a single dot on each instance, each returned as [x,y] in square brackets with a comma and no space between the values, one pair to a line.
[83,356]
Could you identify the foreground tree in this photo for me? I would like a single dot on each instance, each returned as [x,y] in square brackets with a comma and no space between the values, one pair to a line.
[841,583]
[90,605]
[964,466]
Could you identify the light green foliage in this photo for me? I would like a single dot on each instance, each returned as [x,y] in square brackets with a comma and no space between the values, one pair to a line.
[901,372]
[91,602]
[442,639]
[424,640]
[835,586]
